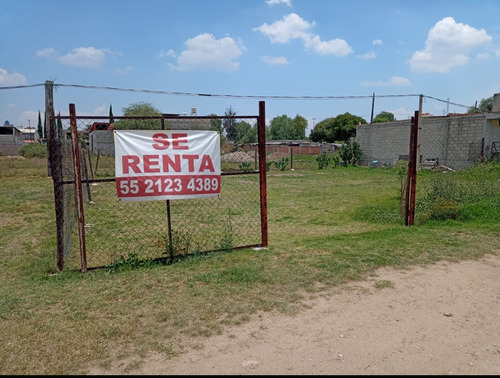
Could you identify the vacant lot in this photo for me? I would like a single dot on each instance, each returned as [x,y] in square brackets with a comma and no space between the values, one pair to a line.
[327,229]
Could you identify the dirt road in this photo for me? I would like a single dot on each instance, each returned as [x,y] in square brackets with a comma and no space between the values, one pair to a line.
[440,319]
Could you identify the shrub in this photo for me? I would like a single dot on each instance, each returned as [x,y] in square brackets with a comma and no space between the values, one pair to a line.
[323,160]
[350,153]
[442,209]
[281,164]
[33,150]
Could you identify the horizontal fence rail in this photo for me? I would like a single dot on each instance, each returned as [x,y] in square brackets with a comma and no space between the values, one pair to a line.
[149,230]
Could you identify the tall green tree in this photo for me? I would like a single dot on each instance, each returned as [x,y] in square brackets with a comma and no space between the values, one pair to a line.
[39,127]
[251,136]
[485,106]
[229,124]
[384,117]
[139,109]
[59,125]
[336,129]
[285,128]
[111,120]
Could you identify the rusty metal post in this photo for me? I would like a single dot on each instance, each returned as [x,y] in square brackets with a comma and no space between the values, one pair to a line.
[414,169]
[261,132]
[411,177]
[78,187]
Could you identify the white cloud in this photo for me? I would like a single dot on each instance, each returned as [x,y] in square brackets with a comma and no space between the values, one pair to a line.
[88,57]
[204,51]
[122,71]
[84,57]
[47,53]
[287,2]
[368,56]
[447,46]
[377,42]
[292,26]
[11,78]
[275,60]
[395,81]
[101,110]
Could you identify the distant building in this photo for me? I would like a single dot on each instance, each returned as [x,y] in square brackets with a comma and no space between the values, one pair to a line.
[13,138]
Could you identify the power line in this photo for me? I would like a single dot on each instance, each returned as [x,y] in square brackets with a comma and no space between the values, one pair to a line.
[274,97]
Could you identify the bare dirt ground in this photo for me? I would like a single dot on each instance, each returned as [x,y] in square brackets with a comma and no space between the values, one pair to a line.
[439,319]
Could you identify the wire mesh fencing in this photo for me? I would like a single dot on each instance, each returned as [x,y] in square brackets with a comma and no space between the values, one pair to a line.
[155,229]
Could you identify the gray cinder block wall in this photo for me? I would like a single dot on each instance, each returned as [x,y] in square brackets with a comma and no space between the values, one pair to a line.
[457,141]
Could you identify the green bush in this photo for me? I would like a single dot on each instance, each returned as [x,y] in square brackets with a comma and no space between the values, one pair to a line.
[350,153]
[33,150]
[442,209]
[323,160]
[281,164]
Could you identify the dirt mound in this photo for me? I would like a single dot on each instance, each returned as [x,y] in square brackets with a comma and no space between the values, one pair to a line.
[238,156]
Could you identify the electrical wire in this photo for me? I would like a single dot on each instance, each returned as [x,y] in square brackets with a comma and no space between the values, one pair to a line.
[274,97]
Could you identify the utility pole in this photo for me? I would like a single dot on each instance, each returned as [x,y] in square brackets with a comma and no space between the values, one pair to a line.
[373,105]
[419,123]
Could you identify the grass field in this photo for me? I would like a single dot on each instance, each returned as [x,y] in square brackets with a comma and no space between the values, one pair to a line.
[326,227]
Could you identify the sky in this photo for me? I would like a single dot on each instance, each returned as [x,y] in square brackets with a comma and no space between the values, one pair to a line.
[313,58]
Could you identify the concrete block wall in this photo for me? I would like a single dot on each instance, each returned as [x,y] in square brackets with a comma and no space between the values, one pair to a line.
[455,141]
[103,141]
[383,142]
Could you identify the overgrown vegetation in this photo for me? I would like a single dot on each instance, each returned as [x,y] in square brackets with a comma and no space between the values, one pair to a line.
[326,228]
[350,153]
[33,150]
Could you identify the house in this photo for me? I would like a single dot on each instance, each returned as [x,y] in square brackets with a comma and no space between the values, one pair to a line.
[12,138]
[455,140]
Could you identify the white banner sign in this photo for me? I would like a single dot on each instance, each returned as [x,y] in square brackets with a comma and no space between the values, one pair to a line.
[167,164]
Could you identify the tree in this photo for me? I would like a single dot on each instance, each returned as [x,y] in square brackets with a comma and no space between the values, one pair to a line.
[383,117]
[283,128]
[485,106]
[350,153]
[320,132]
[111,120]
[59,126]
[39,128]
[251,136]
[242,128]
[336,129]
[229,124]
[139,109]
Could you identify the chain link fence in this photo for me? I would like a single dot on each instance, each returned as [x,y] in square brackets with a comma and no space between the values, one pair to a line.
[148,230]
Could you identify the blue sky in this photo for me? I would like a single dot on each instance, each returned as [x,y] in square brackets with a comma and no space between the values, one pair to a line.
[339,52]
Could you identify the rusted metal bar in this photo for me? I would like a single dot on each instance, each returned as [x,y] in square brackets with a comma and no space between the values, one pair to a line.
[90,165]
[169,223]
[86,178]
[263,172]
[409,174]
[97,162]
[78,187]
[413,188]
